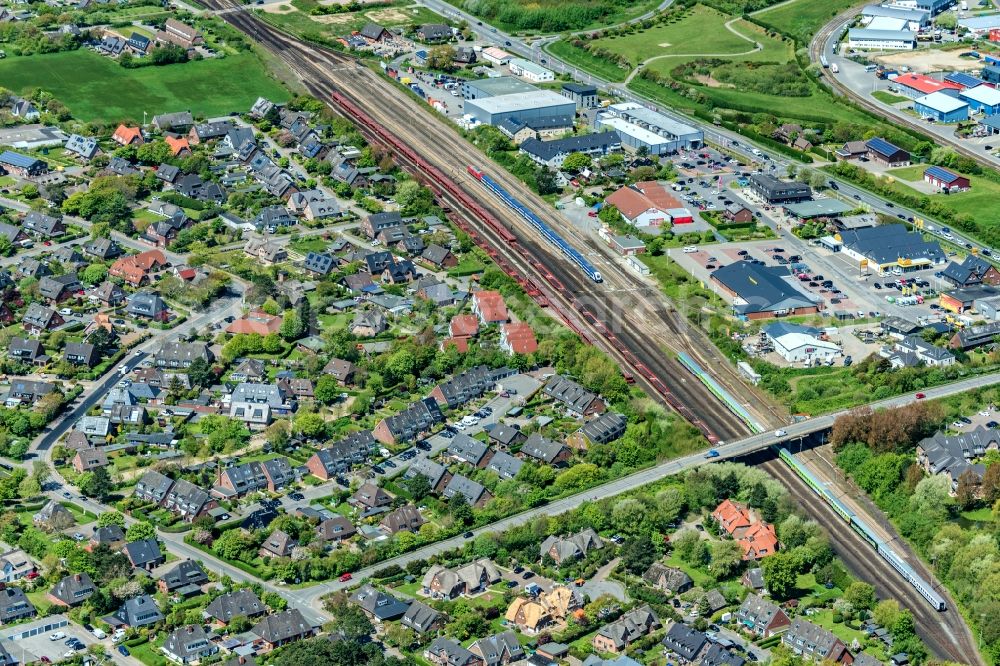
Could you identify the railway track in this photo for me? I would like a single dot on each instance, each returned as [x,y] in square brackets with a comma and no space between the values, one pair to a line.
[321,66]
[646,351]
[944,633]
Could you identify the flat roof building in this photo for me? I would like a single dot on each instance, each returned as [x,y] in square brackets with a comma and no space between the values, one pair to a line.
[773,190]
[530,71]
[641,127]
[502,85]
[941,108]
[524,106]
[917,85]
[881,40]
[917,18]
[585,96]
[807,210]
[982,99]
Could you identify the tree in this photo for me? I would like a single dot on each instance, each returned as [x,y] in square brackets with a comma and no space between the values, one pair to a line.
[351,622]
[442,58]
[111,518]
[727,558]
[139,531]
[94,274]
[327,390]
[97,484]
[861,595]
[310,424]
[6,247]
[991,484]
[291,326]
[780,574]
[234,545]
[638,554]
[576,162]
[200,373]
[459,509]
[418,486]
[966,493]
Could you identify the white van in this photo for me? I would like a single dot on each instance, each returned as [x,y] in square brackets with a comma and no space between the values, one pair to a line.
[689,249]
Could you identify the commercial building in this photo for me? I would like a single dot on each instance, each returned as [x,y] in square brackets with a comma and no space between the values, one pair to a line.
[762,292]
[810,210]
[945,179]
[496,56]
[915,18]
[881,40]
[887,154]
[585,96]
[24,166]
[918,85]
[982,99]
[942,108]
[800,344]
[552,153]
[530,71]
[648,204]
[640,127]
[890,246]
[964,79]
[932,7]
[773,190]
[980,25]
[524,106]
[502,85]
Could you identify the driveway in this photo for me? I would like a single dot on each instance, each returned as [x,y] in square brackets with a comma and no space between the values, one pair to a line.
[601,584]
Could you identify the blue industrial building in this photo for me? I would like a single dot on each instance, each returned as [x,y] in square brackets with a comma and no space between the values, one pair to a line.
[982,99]
[941,108]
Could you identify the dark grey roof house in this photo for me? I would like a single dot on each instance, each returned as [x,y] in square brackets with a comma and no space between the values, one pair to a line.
[379,606]
[72,590]
[14,605]
[188,644]
[237,603]
[283,628]
[684,641]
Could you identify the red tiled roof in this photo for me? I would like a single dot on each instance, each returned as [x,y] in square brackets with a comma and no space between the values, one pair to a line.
[925,84]
[462,344]
[463,326]
[177,144]
[126,135]
[519,338]
[490,306]
[258,322]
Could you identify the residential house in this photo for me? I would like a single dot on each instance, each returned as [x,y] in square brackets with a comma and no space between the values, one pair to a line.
[14,605]
[59,287]
[504,465]
[188,645]
[379,606]
[954,455]
[465,386]
[319,263]
[278,544]
[506,436]
[437,475]
[815,643]
[668,579]
[72,590]
[370,497]
[81,353]
[446,652]
[410,423]
[144,554]
[633,625]
[86,460]
[564,549]
[38,318]
[137,268]
[153,487]
[475,493]
[265,251]
[439,257]
[43,226]
[26,350]
[110,536]
[102,248]
[469,450]
[238,603]
[281,629]
[26,391]
[138,612]
[472,578]
[518,338]
[181,354]
[757,538]
[53,517]
[498,650]
[421,618]
[761,617]
[577,400]
[185,580]
[188,500]
[545,450]
[604,429]
[341,456]
[405,518]
[687,643]
[127,136]
[255,322]
[341,370]
[335,530]
[368,324]
[15,565]
[490,307]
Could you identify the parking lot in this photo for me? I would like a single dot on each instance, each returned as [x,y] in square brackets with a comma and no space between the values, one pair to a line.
[28,648]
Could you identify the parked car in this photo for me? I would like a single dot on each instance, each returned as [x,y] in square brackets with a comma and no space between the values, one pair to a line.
[123,651]
[345,577]
[58,636]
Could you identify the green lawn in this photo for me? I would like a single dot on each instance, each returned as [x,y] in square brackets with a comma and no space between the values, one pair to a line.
[802,18]
[700,578]
[584,60]
[97,88]
[149,655]
[300,22]
[913,174]
[81,515]
[979,202]
[307,245]
[984,515]
[674,39]
[888,97]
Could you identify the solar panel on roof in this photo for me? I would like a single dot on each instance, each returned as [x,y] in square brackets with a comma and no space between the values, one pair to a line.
[17,159]
[941,174]
[964,80]
[882,146]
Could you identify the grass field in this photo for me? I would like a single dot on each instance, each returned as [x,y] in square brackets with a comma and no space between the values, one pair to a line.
[531,16]
[714,39]
[802,18]
[301,23]
[888,97]
[979,202]
[97,88]
[584,60]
